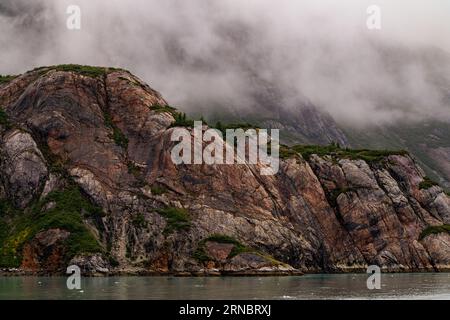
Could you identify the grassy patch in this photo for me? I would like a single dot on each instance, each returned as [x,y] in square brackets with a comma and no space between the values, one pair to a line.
[67,211]
[113,262]
[335,150]
[139,221]
[130,81]
[333,195]
[177,219]
[182,121]
[427,183]
[4,122]
[286,152]
[55,163]
[89,71]
[119,138]
[134,169]
[161,109]
[201,255]
[6,79]
[445,228]
[158,190]
[6,208]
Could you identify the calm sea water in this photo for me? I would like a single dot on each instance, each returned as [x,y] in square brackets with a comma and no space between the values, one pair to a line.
[320,286]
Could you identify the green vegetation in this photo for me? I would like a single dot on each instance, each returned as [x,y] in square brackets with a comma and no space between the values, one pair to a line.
[445,228]
[139,221]
[128,253]
[137,174]
[160,109]
[113,261]
[335,150]
[332,197]
[201,255]
[60,209]
[4,122]
[6,208]
[158,190]
[238,248]
[56,164]
[6,79]
[134,169]
[177,219]
[427,183]
[418,138]
[130,81]
[119,138]
[287,152]
[182,121]
[89,71]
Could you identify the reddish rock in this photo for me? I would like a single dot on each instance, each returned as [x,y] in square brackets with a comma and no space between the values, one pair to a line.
[218,251]
[45,251]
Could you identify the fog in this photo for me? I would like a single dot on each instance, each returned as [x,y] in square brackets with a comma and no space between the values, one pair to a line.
[211,56]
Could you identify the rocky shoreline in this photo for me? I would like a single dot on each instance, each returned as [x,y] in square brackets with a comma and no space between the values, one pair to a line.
[145,273]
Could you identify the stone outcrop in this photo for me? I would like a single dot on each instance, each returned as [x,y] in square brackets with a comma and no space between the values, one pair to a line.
[45,251]
[107,134]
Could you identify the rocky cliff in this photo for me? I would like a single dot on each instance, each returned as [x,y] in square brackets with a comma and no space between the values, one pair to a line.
[86,178]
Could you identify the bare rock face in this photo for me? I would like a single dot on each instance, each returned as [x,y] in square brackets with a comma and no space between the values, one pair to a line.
[439,247]
[218,251]
[91,264]
[23,167]
[88,158]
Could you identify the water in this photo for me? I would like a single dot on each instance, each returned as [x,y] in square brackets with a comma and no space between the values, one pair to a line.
[319,286]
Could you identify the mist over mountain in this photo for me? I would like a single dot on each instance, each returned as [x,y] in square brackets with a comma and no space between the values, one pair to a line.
[310,68]
[209,55]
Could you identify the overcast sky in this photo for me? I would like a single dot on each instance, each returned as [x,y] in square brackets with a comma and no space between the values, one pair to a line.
[204,51]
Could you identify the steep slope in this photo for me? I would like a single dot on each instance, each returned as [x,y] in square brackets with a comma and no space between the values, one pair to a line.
[410,104]
[428,141]
[86,178]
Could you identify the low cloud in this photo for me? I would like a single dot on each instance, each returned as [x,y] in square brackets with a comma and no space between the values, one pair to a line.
[211,56]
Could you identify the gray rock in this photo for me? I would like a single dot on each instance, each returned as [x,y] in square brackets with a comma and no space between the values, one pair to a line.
[23,167]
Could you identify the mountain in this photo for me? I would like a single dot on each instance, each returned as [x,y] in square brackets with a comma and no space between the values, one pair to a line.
[428,141]
[401,94]
[414,93]
[87,179]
